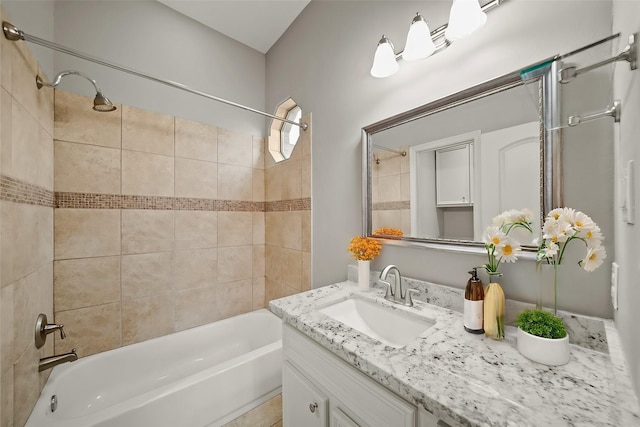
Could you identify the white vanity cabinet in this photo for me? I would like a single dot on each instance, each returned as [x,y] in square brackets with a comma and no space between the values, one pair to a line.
[453,176]
[319,389]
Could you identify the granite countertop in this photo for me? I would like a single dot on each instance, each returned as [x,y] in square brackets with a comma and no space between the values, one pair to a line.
[470,379]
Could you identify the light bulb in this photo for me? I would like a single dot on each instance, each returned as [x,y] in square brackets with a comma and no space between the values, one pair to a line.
[465,17]
[419,42]
[384,60]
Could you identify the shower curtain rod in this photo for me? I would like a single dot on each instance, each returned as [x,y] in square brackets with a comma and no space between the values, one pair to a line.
[11,32]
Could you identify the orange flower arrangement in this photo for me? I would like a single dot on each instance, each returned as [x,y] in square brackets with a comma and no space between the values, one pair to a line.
[388,231]
[364,248]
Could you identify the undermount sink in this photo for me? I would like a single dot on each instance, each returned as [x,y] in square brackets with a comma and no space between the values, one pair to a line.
[390,326]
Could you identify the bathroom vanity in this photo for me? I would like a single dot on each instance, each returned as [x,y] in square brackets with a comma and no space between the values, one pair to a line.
[337,374]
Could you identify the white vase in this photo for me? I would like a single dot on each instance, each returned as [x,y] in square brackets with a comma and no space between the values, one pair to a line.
[363,275]
[552,352]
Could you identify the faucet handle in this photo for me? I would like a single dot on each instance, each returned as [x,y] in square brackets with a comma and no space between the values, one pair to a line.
[388,293]
[408,300]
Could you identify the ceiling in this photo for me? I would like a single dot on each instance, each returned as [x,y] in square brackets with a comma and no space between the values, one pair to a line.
[256,23]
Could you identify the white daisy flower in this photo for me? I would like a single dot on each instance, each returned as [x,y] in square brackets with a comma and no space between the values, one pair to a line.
[594,258]
[494,236]
[509,251]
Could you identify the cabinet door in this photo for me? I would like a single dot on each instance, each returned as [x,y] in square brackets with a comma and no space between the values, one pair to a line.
[453,176]
[302,403]
[340,419]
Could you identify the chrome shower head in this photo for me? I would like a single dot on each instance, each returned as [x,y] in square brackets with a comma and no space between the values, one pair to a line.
[100,103]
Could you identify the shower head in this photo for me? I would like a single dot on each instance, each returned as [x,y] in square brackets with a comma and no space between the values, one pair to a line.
[100,103]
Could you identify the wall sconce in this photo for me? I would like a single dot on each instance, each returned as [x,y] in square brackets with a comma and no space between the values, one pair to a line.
[466,16]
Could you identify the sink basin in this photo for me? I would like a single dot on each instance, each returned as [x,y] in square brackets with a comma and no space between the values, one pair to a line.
[392,327]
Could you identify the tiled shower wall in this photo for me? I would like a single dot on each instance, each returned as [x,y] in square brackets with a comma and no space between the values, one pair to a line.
[159,224]
[390,191]
[26,235]
[288,220]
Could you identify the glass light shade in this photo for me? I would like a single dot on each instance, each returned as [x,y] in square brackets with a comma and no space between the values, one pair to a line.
[384,61]
[419,42]
[465,17]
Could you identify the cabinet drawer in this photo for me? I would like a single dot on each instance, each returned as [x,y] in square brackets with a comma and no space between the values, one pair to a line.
[372,404]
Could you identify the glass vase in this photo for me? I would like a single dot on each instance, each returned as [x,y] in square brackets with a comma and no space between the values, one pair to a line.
[549,278]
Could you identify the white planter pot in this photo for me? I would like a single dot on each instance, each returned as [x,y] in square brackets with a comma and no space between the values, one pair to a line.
[547,351]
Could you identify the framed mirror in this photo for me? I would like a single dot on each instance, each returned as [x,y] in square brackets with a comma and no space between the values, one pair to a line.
[440,173]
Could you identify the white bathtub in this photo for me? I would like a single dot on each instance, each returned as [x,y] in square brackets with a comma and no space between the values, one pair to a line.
[205,376]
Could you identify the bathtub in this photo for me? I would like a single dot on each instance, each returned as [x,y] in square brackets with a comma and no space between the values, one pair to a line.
[205,376]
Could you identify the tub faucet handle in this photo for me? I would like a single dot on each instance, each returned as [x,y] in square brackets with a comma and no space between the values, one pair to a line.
[43,328]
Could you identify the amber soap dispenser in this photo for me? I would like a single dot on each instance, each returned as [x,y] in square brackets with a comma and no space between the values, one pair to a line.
[473,304]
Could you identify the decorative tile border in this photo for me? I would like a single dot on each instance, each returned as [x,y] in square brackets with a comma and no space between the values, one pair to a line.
[65,200]
[391,206]
[18,191]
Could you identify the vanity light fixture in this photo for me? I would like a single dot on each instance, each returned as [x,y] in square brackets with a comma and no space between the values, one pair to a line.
[466,16]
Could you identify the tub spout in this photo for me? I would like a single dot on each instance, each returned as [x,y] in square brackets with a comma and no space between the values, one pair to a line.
[50,362]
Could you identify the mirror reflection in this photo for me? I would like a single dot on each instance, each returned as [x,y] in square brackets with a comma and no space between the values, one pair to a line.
[446,175]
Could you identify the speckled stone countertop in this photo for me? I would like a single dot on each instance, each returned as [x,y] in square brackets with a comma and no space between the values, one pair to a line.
[469,379]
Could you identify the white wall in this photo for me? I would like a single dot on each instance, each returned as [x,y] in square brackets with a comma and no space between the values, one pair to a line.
[35,18]
[323,61]
[152,38]
[626,19]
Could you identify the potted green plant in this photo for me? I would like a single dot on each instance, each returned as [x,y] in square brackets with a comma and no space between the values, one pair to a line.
[542,336]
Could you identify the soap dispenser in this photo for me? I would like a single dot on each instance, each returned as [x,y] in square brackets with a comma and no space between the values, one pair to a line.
[473,304]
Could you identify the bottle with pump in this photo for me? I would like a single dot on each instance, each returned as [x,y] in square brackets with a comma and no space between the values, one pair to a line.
[473,304]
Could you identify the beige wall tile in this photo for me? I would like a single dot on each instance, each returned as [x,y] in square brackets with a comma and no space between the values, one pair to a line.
[235,182]
[6,118]
[83,233]
[7,350]
[196,229]
[32,295]
[305,178]
[258,152]
[306,271]
[28,153]
[147,318]
[26,385]
[291,179]
[6,397]
[196,307]
[405,221]
[86,282]
[274,224]
[291,229]
[90,330]
[292,269]
[274,259]
[76,121]
[273,184]
[306,231]
[235,263]
[196,268]
[389,188]
[258,293]
[235,148]
[145,231]
[258,228]
[271,290]
[390,219]
[147,174]
[405,187]
[147,131]
[147,275]
[374,189]
[24,69]
[306,136]
[195,178]
[258,260]
[389,164]
[6,48]
[235,298]
[258,185]
[86,168]
[26,239]
[196,140]
[235,228]
[405,164]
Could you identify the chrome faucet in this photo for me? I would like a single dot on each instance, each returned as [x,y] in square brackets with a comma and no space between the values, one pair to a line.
[396,294]
[50,362]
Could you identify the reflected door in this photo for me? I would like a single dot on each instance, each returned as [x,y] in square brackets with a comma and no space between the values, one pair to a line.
[509,174]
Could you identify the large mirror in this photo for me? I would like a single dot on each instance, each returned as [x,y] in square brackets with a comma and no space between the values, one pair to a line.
[441,172]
